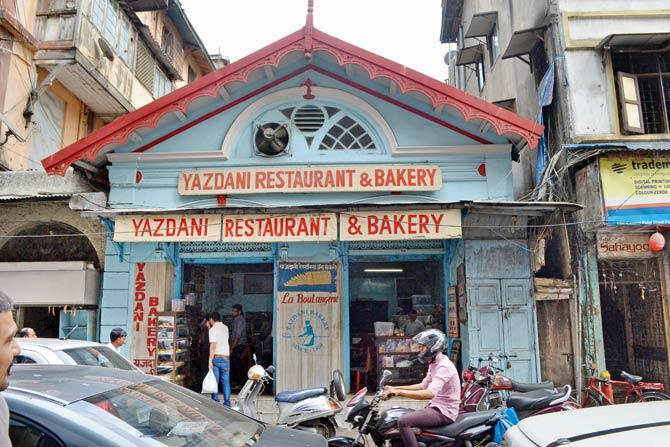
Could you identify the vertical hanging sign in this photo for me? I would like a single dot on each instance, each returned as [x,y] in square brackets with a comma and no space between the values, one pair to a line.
[149,291]
[308,324]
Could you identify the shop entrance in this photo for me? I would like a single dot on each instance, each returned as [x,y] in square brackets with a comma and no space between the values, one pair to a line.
[217,288]
[389,303]
[632,313]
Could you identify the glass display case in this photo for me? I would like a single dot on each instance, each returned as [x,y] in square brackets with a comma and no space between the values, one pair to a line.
[397,354]
[172,357]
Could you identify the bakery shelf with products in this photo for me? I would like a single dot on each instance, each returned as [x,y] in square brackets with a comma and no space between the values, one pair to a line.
[172,356]
[399,355]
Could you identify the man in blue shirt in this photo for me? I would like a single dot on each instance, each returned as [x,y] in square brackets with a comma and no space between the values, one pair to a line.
[238,343]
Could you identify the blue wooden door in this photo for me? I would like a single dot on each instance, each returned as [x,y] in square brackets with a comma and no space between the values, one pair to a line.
[501,316]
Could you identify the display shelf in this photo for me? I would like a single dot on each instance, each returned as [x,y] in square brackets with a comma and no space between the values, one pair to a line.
[393,349]
[173,358]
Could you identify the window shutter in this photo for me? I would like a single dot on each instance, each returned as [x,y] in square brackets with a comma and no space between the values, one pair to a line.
[629,99]
[145,66]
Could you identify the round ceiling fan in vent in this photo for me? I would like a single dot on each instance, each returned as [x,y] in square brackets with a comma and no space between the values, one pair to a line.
[271,139]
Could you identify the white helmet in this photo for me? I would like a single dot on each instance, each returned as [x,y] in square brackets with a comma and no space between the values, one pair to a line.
[434,340]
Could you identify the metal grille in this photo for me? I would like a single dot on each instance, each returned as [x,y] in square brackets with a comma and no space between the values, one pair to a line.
[145,66]
[651,105]
[347,134]
[436,246]
[256,249]
[309,119]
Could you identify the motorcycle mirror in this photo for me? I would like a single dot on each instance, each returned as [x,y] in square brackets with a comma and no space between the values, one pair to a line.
[270,369]
[386,375]
[255,360]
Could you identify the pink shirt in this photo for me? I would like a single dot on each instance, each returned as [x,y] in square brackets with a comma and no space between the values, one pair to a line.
[442,380]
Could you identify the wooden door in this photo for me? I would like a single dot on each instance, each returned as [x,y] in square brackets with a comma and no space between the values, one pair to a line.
[518,356]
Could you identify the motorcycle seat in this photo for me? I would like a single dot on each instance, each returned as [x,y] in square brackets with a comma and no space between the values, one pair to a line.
[463,422]
[630,377]
[525,387]
[296,396]
[533,400]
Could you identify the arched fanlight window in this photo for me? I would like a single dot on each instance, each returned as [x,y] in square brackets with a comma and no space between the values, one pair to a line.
[346,134]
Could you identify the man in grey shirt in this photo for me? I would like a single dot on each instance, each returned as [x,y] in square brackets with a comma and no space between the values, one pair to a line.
[238,343]
[8,350]
[413,326]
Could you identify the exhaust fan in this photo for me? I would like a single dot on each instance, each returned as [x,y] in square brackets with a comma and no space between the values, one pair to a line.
[271,139]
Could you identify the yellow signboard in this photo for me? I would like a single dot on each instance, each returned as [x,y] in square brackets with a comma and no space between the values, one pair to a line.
[635,182]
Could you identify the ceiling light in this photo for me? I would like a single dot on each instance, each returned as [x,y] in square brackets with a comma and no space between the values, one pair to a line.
[383,270]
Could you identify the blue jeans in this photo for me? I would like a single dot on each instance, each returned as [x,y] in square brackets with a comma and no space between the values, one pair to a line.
[221,368]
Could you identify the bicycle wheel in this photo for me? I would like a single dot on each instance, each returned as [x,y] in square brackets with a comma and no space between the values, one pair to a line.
[652,396]
[592,400]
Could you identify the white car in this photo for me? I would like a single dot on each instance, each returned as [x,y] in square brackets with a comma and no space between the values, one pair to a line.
[639,424]
[53,351]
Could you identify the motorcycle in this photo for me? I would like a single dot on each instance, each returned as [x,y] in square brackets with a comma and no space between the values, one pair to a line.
[310,410]
[469,429]
[485,387]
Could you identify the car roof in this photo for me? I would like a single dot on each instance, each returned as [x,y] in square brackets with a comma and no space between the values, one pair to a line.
[546,429]
[55,344]
[67,383]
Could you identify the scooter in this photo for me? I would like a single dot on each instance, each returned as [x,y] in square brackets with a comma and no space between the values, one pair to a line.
[310,410]
[469,429]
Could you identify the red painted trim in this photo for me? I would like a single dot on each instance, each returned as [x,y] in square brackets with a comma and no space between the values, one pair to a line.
[402,105]
[223,108]
[293,74]
[307,40]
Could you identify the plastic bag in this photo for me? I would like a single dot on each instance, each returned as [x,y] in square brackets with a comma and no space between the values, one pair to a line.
[209,384]
[508,418]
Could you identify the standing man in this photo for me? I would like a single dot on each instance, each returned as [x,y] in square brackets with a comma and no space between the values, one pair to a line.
[239,341]
[413,326]
[8,350]
[117,338]
[202,347]
[219,356]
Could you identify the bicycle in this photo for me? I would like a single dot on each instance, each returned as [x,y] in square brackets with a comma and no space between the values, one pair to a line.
[600,390]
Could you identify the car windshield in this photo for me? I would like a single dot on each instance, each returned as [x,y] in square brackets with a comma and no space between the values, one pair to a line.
[163,414]
[94,356]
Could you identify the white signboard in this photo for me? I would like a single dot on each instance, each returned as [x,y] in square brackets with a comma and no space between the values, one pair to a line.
[279,227]
[290,179]
[168,228]
[623,246]
[400,225]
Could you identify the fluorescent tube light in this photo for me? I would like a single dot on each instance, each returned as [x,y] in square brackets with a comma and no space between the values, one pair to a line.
[383,270]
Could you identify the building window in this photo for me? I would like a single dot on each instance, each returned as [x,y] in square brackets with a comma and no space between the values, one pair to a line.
[115,28]
[347,134]
[492,44]
[481,73]
[162,85]
[643,84]
[145,67]
[167,44]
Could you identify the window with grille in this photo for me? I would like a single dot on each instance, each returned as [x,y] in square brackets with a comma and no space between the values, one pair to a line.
[114,27]
[643,85]
[162,85]
[346,133]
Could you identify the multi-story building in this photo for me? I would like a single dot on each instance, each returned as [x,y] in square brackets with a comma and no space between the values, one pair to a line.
[66,69]
[598,75]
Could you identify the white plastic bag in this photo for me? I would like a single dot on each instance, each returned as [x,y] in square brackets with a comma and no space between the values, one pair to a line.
[209,384]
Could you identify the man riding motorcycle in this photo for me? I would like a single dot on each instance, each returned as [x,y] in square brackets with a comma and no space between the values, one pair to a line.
[442,386]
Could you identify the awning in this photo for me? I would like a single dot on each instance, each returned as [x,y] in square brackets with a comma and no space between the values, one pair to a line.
[482,24]
[50,283]
[523,41]
[470,55]
[619,145]
[624,41]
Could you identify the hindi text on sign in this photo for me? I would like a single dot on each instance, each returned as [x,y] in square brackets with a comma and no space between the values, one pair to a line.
[311,179]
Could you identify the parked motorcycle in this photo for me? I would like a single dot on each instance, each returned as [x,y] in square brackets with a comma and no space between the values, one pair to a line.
[469,429]
[310,410]
[485,387]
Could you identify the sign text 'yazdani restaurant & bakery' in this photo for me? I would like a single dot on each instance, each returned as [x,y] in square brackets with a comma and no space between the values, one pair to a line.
[353,226]
[288,179]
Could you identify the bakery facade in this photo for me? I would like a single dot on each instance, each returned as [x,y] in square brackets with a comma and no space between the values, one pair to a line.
[333,194]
